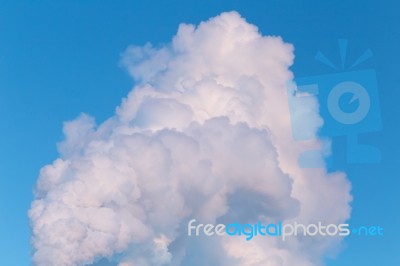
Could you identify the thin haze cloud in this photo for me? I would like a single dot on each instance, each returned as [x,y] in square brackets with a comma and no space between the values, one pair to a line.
[205,134]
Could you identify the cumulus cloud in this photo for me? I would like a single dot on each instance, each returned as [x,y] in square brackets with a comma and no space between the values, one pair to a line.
[205,134]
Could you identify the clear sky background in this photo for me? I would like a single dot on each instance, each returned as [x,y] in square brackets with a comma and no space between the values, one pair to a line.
[61,58]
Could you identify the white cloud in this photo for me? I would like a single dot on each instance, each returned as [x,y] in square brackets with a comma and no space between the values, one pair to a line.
[204,134]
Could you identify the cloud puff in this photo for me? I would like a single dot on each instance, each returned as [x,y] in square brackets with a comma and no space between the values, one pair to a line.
[204,134]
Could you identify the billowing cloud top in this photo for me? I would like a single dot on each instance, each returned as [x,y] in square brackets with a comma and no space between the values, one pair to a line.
[204,134]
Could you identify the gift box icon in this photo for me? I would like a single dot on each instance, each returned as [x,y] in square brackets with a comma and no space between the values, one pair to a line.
[348,101]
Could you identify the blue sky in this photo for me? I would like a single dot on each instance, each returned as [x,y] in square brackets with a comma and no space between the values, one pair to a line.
[61,58]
